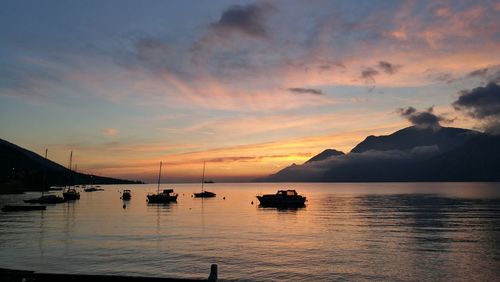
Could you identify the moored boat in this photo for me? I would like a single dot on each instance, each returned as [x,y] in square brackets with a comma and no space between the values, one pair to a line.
[92,189]
[282,198]
[166,196]
[203,193]
[46,199]
[71,194]
[126,195]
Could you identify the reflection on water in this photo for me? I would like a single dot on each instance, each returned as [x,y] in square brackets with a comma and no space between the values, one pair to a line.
[402,232]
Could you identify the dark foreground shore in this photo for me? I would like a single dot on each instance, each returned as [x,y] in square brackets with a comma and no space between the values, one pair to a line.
[11,275]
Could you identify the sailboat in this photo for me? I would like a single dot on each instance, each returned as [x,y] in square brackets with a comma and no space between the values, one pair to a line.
[70,193]
[46,199]
[203,193]
[166,196]
[91,188]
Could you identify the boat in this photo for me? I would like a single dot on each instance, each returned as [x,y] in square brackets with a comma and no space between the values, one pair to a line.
[70,193]
[126,195]
[92,189]
[166,196]
[203,193]
[14,208]
[46,199]
[282,198]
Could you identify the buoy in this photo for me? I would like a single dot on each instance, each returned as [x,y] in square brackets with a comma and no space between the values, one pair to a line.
[252,202]
[124,206]
[223,198]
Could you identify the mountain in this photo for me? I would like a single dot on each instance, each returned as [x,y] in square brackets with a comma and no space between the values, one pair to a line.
[446,138]
[21,169]
[410,154]
[325,155]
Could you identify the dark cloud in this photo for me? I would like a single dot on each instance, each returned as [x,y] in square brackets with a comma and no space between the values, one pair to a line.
[387,67]
[423,119]
[443,77]
[368,75]
[247,19]
[483,104]
[306,91]
[478,73]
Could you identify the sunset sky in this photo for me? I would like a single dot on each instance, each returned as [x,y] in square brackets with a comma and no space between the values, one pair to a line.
[250,87]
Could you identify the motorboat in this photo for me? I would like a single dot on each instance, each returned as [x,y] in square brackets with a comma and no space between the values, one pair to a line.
[92,189]
[126,195]
[282,198]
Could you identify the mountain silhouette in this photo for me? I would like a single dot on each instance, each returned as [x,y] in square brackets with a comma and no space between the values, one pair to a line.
[21,169]
[410,154]
[325,155]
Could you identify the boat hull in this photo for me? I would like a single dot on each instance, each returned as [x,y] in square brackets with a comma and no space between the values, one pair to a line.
[205,194]
[270,201]
[160,199]
[46,200]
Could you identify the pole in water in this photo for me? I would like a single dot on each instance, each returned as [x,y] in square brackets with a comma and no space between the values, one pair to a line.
[213,273]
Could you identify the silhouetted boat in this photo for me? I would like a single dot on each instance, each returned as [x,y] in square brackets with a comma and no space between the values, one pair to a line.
[282,198]
[203,193]
[92,189]
[126,195]
[70,193]
[166,196]
[46,199]
[13,208]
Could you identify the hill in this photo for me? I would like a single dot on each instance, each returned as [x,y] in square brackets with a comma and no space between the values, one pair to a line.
[23,170]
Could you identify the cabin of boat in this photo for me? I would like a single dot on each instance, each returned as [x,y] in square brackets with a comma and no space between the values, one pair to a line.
[126,194]
[71,194]
[166,196]
[282,198]
[205,194]
[46,199]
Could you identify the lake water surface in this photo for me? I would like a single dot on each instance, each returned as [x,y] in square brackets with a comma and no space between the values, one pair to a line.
[355,232]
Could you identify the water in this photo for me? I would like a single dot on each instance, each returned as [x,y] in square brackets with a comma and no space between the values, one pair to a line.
[396,232]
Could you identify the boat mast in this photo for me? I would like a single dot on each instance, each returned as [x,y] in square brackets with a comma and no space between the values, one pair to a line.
[45,175]
[159,175]
[70,168]
[203,177]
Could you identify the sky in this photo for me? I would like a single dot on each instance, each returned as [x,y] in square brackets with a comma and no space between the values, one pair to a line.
[249,87]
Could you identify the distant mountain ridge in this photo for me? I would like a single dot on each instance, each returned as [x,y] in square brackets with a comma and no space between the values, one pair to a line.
[21,169]
[409,154]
